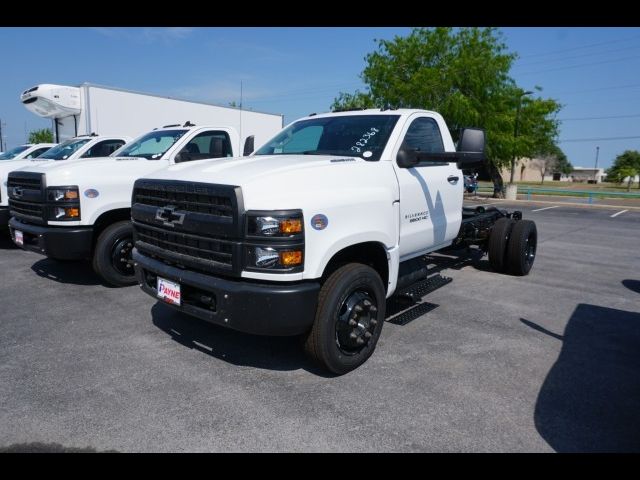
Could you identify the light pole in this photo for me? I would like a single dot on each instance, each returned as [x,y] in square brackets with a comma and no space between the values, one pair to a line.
[1,124]
[515,133]
[595,173]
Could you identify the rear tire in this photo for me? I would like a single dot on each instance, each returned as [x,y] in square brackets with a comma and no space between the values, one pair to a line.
[349,319]
[114,245]
[521,251]
[498,241]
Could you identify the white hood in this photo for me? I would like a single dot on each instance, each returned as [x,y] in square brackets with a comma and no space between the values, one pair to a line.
[286,181]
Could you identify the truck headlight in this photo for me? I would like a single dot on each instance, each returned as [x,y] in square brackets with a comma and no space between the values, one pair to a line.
[63,203]
[280,224]
[289,258]
[63,194]
[66,213]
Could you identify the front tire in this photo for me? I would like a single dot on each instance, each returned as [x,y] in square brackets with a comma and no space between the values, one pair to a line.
[349,319]
[112,254]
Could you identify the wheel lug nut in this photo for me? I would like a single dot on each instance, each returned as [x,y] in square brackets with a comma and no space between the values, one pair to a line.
[367,303]
[352,323]
[373,309]
[353,335]
[359,341]
[367,334]
[358,308]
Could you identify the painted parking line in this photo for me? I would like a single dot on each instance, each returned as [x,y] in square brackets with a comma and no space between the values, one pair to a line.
[619,213]
[545,208]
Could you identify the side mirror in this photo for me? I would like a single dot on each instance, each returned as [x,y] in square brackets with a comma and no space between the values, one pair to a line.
[248,146]
[407,158]
[471,140]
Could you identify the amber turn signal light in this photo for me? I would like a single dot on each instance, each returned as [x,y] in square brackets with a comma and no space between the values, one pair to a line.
[291,258]
[291,225]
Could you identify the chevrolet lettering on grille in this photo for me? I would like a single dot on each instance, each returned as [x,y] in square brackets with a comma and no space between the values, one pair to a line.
[169,217]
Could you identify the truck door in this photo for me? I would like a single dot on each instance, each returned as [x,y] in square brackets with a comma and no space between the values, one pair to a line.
[430,194]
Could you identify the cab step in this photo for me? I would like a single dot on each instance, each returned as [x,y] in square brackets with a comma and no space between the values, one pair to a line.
[405,305]
[411,313]
[419,289]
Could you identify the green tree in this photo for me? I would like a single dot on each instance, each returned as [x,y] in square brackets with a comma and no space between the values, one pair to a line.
[40,136]
[625,166]
[464,75]
[352,101]
[551,159]
[563,165]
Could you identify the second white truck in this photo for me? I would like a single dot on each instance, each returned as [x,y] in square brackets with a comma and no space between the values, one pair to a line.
[82,209]
[83,147]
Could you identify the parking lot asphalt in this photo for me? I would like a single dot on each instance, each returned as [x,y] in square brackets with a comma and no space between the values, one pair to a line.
[547,362]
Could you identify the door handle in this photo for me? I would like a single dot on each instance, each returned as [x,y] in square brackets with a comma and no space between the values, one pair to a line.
[453,179]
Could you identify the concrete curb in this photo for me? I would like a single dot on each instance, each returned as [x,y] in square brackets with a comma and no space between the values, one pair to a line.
[547,202]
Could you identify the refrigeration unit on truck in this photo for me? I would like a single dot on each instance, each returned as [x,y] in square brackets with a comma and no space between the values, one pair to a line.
[313,232]
[89,108]
[82,209]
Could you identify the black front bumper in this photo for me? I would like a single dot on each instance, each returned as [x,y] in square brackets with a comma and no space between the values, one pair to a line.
[248,306]
[4,217]
[63,243]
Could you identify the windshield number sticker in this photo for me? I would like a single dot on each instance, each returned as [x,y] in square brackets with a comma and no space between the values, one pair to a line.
[360,144]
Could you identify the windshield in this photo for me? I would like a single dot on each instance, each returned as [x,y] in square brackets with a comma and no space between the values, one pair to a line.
[151,146]
[64,150]
[8,155]
[362,136]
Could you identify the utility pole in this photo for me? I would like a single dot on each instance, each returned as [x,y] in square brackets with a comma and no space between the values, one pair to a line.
[1,149]
[595,173]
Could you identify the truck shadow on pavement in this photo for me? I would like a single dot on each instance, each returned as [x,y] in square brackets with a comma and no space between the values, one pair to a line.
[633,285]
[73,272]
[39,447]
[5,241]
[590,399]
[237,348]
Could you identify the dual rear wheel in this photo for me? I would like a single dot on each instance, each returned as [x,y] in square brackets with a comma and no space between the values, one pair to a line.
[512,246]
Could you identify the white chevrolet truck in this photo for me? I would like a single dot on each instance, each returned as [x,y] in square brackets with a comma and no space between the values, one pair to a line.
[15,158]
[78,148]
[313,232]
[82,210]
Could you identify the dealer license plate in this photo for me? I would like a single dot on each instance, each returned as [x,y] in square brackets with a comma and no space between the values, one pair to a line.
[168,291]
[19,239]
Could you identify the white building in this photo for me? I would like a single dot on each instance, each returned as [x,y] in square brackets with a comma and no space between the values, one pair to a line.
[584,174]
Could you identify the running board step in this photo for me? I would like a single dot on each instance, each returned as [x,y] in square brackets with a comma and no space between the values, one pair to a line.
[424,287]
[412,313]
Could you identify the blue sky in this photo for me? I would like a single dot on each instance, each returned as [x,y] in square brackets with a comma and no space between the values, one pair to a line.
[593,72]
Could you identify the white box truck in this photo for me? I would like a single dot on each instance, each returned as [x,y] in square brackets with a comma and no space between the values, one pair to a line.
[89,108]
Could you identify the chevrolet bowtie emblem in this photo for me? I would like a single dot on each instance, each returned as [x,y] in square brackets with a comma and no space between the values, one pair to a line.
[17,192]
[168,216]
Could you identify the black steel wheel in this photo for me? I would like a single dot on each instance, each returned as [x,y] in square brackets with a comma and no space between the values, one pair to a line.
[112,254]
[356,323]
[349,318]
[121,255]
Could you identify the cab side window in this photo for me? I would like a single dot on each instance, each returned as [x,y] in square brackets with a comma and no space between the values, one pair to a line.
[103,149]
[213,144]
[36,153]
[424,136]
